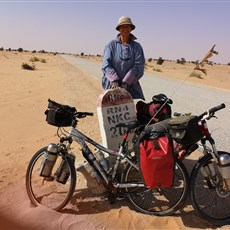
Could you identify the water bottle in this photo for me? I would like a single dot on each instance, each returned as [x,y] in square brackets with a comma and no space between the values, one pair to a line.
[63,171]
[92,172]
[49,160]
[101,158]
[225,169]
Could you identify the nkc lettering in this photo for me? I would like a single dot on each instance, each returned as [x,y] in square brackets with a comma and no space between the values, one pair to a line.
[118,118]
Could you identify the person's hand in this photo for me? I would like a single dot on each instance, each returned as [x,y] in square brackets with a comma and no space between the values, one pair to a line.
[124,86]
[114,85]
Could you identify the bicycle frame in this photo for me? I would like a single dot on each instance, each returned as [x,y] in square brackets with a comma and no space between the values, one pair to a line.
[204,129]
[82,139]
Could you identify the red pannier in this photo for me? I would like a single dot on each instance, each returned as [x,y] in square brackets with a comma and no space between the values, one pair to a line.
[156,161]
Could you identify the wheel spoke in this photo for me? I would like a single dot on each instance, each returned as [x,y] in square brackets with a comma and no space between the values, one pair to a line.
[161,201]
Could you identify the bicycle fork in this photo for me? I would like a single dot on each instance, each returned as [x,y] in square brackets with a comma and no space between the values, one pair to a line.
[216,172]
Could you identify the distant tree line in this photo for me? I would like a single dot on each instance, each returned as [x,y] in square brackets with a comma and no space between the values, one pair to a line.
[159,60]
[181,61]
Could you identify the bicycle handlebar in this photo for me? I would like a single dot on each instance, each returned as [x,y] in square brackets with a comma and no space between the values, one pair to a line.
[82,114]
[212,111]
[209,112]
[219,107]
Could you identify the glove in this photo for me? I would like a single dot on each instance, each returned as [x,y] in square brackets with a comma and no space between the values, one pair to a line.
[124,86]
[114,84]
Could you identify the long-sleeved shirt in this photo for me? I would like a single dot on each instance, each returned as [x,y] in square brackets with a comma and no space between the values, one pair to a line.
[125,64]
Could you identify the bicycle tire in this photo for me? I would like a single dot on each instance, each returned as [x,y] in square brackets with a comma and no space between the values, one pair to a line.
[206,200]
[49,193]
[160,201]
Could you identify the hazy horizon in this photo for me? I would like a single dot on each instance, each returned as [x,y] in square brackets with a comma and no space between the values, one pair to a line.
[167,29]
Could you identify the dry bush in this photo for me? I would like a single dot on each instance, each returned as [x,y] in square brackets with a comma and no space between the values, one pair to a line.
[196,75]
[28,67]
[157,70]
[43,60]
[35,59]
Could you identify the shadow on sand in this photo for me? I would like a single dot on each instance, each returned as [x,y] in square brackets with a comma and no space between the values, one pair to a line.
[89,203]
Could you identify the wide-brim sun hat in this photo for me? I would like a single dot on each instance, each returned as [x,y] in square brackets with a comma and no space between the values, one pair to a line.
[124,20]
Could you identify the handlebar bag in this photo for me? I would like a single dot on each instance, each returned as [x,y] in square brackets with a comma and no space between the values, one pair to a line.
[185,129]
[59,115]
[156,161]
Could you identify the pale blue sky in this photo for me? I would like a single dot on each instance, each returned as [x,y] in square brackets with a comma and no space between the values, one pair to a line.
[168,29]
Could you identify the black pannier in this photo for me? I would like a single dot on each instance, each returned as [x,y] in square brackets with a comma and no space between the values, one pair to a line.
[59,115]
[185,129]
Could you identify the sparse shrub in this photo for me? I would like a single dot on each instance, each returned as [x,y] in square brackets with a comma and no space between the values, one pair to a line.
[181,61]
[196,75]
[34,59]
[1,49]
[157,70]
[28,67]
[160,61]
[150,59]
[20,50]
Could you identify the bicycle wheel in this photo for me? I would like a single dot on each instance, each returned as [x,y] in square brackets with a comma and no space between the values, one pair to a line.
[209,199]
[48,191]
[160,201]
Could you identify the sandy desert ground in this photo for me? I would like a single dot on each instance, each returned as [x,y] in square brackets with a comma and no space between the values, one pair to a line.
[23,100]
